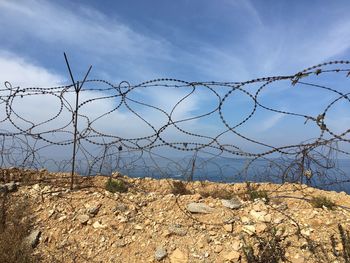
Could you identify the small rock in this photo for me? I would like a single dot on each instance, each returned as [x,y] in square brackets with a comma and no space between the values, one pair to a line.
[236,245]
[282,206]
[306,232]
[267,218]
[218,249]
[245,220]
[316,223]
[94,209]
[231,219]
[232,256]
[259,205]
[233,203]
[228,228]
[249,229]
[260,228]
[36,187]
[51,212]
[122,219]
[138,227]
[62,218]
[98,225]
[339,247]
[177,230]
[298,259]
[83,219]
[278,220]
[212,233]
[160,253]
[199,208]
[121,243]
[33,239]
[261,216]
[257,215]
[178,257]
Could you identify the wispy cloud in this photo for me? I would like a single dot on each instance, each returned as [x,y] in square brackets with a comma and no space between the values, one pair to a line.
[36,30]
[123,52]
[97,39]
[268,123]
[82,27]
[20,72]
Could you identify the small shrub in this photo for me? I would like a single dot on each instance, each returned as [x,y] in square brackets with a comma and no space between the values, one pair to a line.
[179,188]
[259,194]
[269,250]
[116,185]
[321,201]
[345,240]
[252,193]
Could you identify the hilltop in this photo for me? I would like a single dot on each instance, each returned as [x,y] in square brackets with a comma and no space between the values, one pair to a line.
[148,220]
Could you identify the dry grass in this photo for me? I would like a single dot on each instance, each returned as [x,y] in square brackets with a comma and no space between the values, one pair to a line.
[267,249]
[15,225]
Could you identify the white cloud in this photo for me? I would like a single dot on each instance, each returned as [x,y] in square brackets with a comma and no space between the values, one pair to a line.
[114,48]
[121,122]
[270,122]
[83,28]
[264,49]
[20,72]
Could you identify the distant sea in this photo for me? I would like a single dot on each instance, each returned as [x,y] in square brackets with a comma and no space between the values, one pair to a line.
[229,170]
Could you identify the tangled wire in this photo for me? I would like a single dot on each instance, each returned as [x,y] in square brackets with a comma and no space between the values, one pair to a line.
[124,126]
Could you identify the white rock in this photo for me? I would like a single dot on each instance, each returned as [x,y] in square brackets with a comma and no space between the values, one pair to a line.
[233,203]
[249,229]
[33,239]
[98,225]
[199,208]
[62,218]
[236,245]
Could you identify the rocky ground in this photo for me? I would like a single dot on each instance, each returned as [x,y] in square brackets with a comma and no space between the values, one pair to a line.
[167,221]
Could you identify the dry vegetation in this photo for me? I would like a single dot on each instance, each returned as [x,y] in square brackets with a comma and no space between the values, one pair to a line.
[15,225]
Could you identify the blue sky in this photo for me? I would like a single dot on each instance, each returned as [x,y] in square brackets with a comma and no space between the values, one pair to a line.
[193,40]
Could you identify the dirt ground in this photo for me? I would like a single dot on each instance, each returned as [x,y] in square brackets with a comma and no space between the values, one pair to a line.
[153,221]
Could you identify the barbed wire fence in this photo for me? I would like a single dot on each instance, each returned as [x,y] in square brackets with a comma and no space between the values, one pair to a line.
[141,135]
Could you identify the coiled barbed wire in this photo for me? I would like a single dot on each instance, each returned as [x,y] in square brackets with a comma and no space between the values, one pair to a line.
[24,138]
